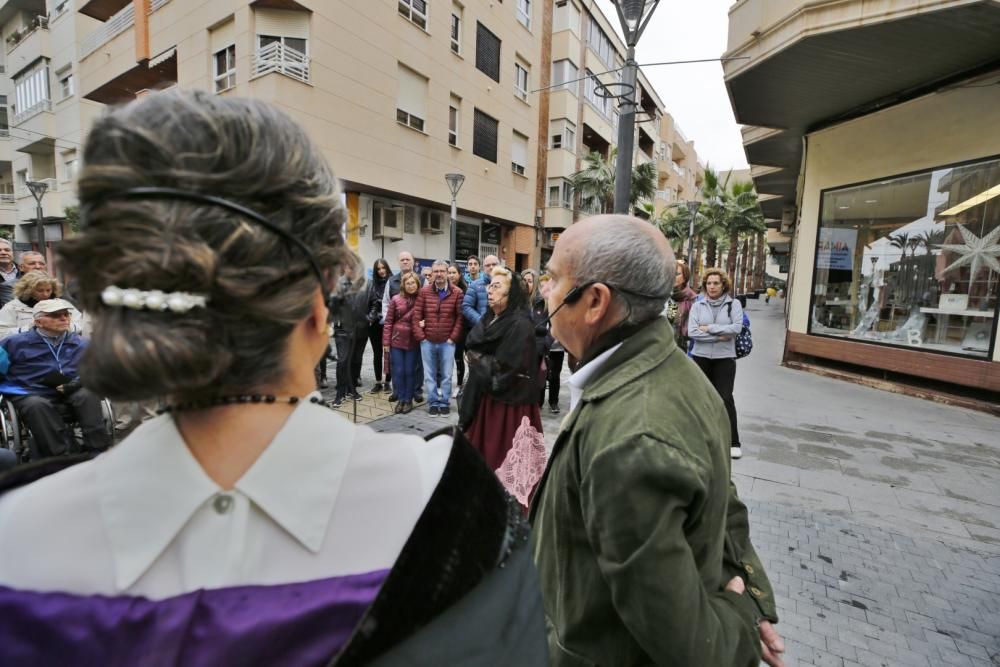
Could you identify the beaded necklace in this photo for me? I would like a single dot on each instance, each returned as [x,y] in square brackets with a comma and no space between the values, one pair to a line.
[234,400]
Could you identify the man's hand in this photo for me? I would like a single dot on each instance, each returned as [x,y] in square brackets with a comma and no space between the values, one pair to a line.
[736,585]
[772,647]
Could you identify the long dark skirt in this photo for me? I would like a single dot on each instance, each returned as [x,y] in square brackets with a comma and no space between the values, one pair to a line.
[492,429]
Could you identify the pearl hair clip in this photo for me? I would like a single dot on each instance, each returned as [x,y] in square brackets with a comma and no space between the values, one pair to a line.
[137,299]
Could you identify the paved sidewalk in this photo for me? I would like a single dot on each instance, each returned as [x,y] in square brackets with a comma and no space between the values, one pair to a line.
[877,515]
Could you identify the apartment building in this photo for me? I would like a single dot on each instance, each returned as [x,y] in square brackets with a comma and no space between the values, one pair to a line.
[398,93]
[580,116]
[42,118]
[870,134]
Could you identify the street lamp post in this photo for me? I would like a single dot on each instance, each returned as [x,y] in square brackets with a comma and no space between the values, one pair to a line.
[634,16]
[37,189]
[692,207]
[454,184]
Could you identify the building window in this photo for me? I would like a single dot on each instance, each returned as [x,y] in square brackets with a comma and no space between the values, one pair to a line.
[912,261]
[4,119]
[564,75]
[566,16]
[519,153]
[560,193]
[524,13]
[412,100]
[484,136]
[601,44]
[562,134]
[66,87]
[31,91]
[590,86]
[456,27]
[453,120]
[415,11]
[521,80]
[487,52]
[225,68]
[70,164]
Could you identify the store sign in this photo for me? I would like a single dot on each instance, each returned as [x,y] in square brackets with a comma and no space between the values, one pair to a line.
[836,249]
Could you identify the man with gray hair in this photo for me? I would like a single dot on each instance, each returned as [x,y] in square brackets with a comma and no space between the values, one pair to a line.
[437,324]
[641,542]
[32,261]
[9,273]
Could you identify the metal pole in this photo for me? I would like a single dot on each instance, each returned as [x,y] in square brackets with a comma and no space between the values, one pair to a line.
[626,136]
[40,227]
[454,215]
[690,257]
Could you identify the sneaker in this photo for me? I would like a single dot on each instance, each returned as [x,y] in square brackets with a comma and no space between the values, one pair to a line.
[393,397]
[354,396]
[554,409]
[337,401]
[377,389]
[735,452]
[445,411]
[433,411]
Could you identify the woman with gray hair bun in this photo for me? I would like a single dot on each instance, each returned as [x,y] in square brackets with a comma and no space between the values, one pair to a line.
[249,524]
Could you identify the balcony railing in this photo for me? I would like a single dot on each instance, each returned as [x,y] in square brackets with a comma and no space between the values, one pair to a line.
[7,199]
[18,36]
[113,27]
[156,4]
[276,57]
[37,107]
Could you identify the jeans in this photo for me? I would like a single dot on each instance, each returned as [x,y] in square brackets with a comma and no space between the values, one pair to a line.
[404,371]
[50,436]
[345,353]
[438,361]
[722,374]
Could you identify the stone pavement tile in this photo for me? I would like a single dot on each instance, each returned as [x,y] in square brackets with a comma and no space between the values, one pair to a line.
[962,510]
[798,497]
[971,650]
[773,472]
[955,658]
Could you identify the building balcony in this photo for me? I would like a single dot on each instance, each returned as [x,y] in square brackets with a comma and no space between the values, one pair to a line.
[114,26]
[35,34]
[102,10]
[558,217]
[36,118]
[560,164]
[280,59]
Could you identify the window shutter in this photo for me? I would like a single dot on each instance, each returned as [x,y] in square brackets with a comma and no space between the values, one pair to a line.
[487,52]
[412,92]
[282,23]
[519,150]
[484,139]
[223,35]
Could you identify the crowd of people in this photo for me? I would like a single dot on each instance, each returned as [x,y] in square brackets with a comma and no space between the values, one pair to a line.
[249,524]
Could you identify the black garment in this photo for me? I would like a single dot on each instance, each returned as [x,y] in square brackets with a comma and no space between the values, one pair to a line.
[502,361]
[344,341]
[460,359]
[722,374]
[350,333]
[375,338]
[7,287]
[463,591]
[50,436]
[543,334]
[555,366]
[375,291]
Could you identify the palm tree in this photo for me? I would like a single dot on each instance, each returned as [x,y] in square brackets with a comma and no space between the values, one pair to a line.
[673,222]
[595,182]
[743,216]
[713,208]
[900,240]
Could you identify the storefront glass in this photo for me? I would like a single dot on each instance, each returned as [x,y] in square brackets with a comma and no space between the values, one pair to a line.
[912,260]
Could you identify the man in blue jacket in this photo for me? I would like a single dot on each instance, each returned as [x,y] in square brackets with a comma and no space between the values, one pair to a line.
[474,302]
[43,375]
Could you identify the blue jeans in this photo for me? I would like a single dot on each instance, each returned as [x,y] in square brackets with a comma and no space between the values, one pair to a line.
[403,364]
[439,358]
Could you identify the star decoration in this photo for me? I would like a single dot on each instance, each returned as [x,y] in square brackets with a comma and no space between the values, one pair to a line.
[975,251]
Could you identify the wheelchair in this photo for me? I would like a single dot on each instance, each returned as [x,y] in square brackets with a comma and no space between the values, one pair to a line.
[14,434]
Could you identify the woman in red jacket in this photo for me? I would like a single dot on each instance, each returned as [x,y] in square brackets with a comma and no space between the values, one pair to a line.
[400,344]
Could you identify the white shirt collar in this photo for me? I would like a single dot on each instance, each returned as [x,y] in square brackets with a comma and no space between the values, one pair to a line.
[150,485]
[578,380]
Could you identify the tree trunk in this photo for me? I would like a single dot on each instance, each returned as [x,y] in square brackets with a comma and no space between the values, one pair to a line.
[749,254]
[761,260]
[744,263]
[711,251]
[696,264]
[734,249]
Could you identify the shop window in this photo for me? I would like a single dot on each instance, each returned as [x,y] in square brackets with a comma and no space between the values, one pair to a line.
[912,260]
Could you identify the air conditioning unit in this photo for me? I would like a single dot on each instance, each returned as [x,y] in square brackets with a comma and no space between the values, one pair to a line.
[387,222]
[788,220]
[432,222]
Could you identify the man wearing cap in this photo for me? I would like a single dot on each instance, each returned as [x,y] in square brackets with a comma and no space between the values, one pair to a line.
[43,375]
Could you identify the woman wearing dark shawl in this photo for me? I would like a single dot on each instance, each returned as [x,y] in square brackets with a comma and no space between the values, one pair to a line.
[499,409]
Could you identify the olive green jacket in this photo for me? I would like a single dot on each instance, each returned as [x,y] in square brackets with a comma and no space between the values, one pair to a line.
[637,527]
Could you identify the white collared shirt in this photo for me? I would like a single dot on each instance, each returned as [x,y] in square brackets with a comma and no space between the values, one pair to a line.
[578,380]
[326,498]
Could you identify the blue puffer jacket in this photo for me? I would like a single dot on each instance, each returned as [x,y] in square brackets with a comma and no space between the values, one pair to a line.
[474,304]
[31,359]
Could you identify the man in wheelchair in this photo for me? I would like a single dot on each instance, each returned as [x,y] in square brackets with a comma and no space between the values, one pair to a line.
[43,385]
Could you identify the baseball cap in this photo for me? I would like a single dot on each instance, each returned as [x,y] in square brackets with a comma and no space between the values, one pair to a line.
[50,306]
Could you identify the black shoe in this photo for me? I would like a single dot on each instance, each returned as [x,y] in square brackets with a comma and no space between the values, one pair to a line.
[418,399]
[398,409]
[445,411]
[407,407]
[338,401]
[376,389]
[433,411]
[554,409]
[358,383]
[323,384]
[354,396]
[393,397]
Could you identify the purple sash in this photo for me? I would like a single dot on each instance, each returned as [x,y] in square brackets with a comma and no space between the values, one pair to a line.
[297,624]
